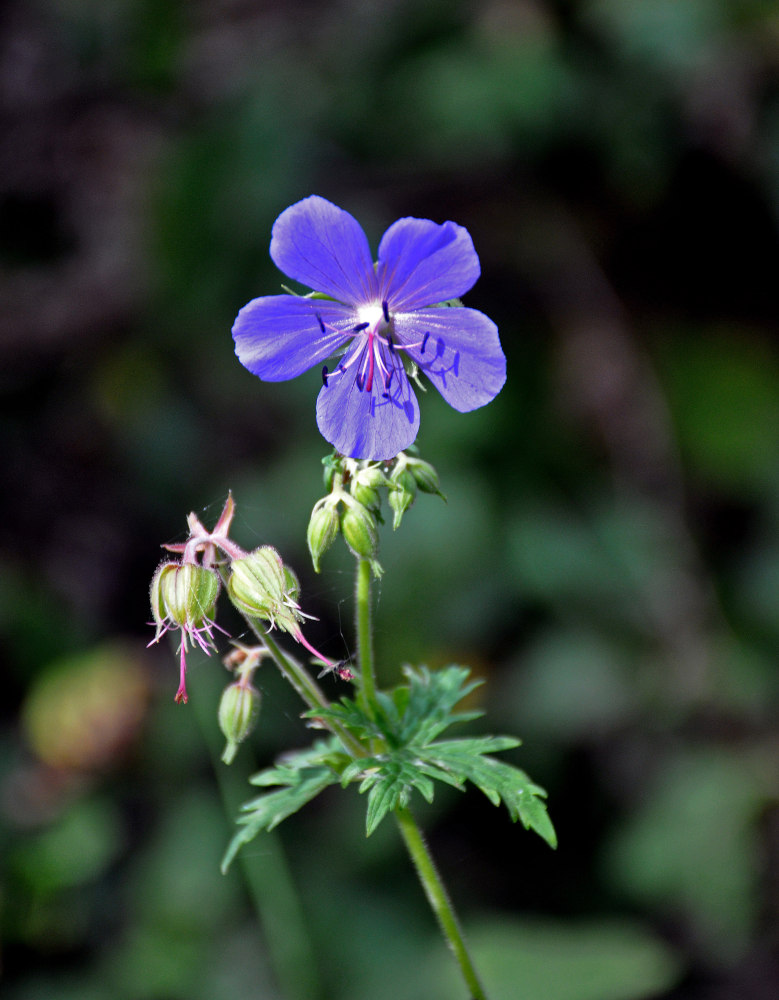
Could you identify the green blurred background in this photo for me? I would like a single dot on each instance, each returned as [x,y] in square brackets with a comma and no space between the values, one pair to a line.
[608,560]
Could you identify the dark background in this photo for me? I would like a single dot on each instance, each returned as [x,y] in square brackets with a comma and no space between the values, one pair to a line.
[607,561]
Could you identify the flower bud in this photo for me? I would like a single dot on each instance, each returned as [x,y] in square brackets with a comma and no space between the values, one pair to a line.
[365,486]
[425,476]
[403,494]
[238,711]
[323,529]
[360,530]
[262,587]
[366,495]
[183,594]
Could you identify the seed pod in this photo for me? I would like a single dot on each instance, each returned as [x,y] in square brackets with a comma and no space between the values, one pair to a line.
[183,594]
[261,586]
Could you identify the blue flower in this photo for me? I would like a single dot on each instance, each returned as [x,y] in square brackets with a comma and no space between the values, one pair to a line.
[380,319]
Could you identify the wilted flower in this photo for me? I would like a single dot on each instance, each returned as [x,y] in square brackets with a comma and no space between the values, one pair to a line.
[183,596]
[378,315]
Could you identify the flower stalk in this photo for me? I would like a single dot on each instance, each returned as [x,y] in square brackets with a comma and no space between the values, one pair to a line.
[439,900]
[433,886]
[365,633]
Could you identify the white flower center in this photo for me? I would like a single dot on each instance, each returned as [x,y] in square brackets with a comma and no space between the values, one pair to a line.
[372,315]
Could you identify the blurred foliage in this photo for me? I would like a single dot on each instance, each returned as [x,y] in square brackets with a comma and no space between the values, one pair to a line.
[607,561]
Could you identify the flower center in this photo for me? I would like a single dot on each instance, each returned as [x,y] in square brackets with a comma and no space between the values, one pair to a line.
[370,316]
[374,330]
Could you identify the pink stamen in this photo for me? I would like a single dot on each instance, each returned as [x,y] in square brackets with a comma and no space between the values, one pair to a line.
[371,352]
[368,356]
[181,694]
[315,652]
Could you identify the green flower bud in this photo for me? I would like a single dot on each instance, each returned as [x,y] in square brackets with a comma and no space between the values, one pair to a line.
[323,529]
[183,594]
[366,495]
[262,587]
[238,711]
[360,530]
[425,476]
[403,494]
[365,486]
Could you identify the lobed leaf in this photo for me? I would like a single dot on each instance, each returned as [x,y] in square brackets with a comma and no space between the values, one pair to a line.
[302,775]
[499,781]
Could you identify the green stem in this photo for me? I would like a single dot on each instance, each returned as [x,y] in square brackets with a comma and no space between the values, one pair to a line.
[438,899]
[365,632]
[412,835]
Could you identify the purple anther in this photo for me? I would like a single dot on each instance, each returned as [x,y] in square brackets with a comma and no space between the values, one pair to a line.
[424,342]
[385,310]
[360,327]
[359,381]
[324,376]
[321,324]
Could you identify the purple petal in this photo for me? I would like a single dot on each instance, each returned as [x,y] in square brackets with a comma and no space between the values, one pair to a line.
[324,248]
[363,424]
[280,336]
[462,355]
[422,263]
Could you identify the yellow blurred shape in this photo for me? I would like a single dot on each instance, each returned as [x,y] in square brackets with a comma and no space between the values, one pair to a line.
[84,711]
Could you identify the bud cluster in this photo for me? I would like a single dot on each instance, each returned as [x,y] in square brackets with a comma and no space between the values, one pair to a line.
[352,506]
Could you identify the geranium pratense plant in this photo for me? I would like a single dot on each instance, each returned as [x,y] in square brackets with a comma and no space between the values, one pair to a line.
[387,323]
[384,317]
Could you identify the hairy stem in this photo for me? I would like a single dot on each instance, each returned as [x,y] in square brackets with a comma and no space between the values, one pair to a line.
[365,632]
[423,862]
[439,900]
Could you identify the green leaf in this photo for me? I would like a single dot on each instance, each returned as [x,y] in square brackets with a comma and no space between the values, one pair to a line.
[389,781]
[427,706]
[405,727]
[302,775]
[351,716]
[499,781]
[411,714]
[401,730]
